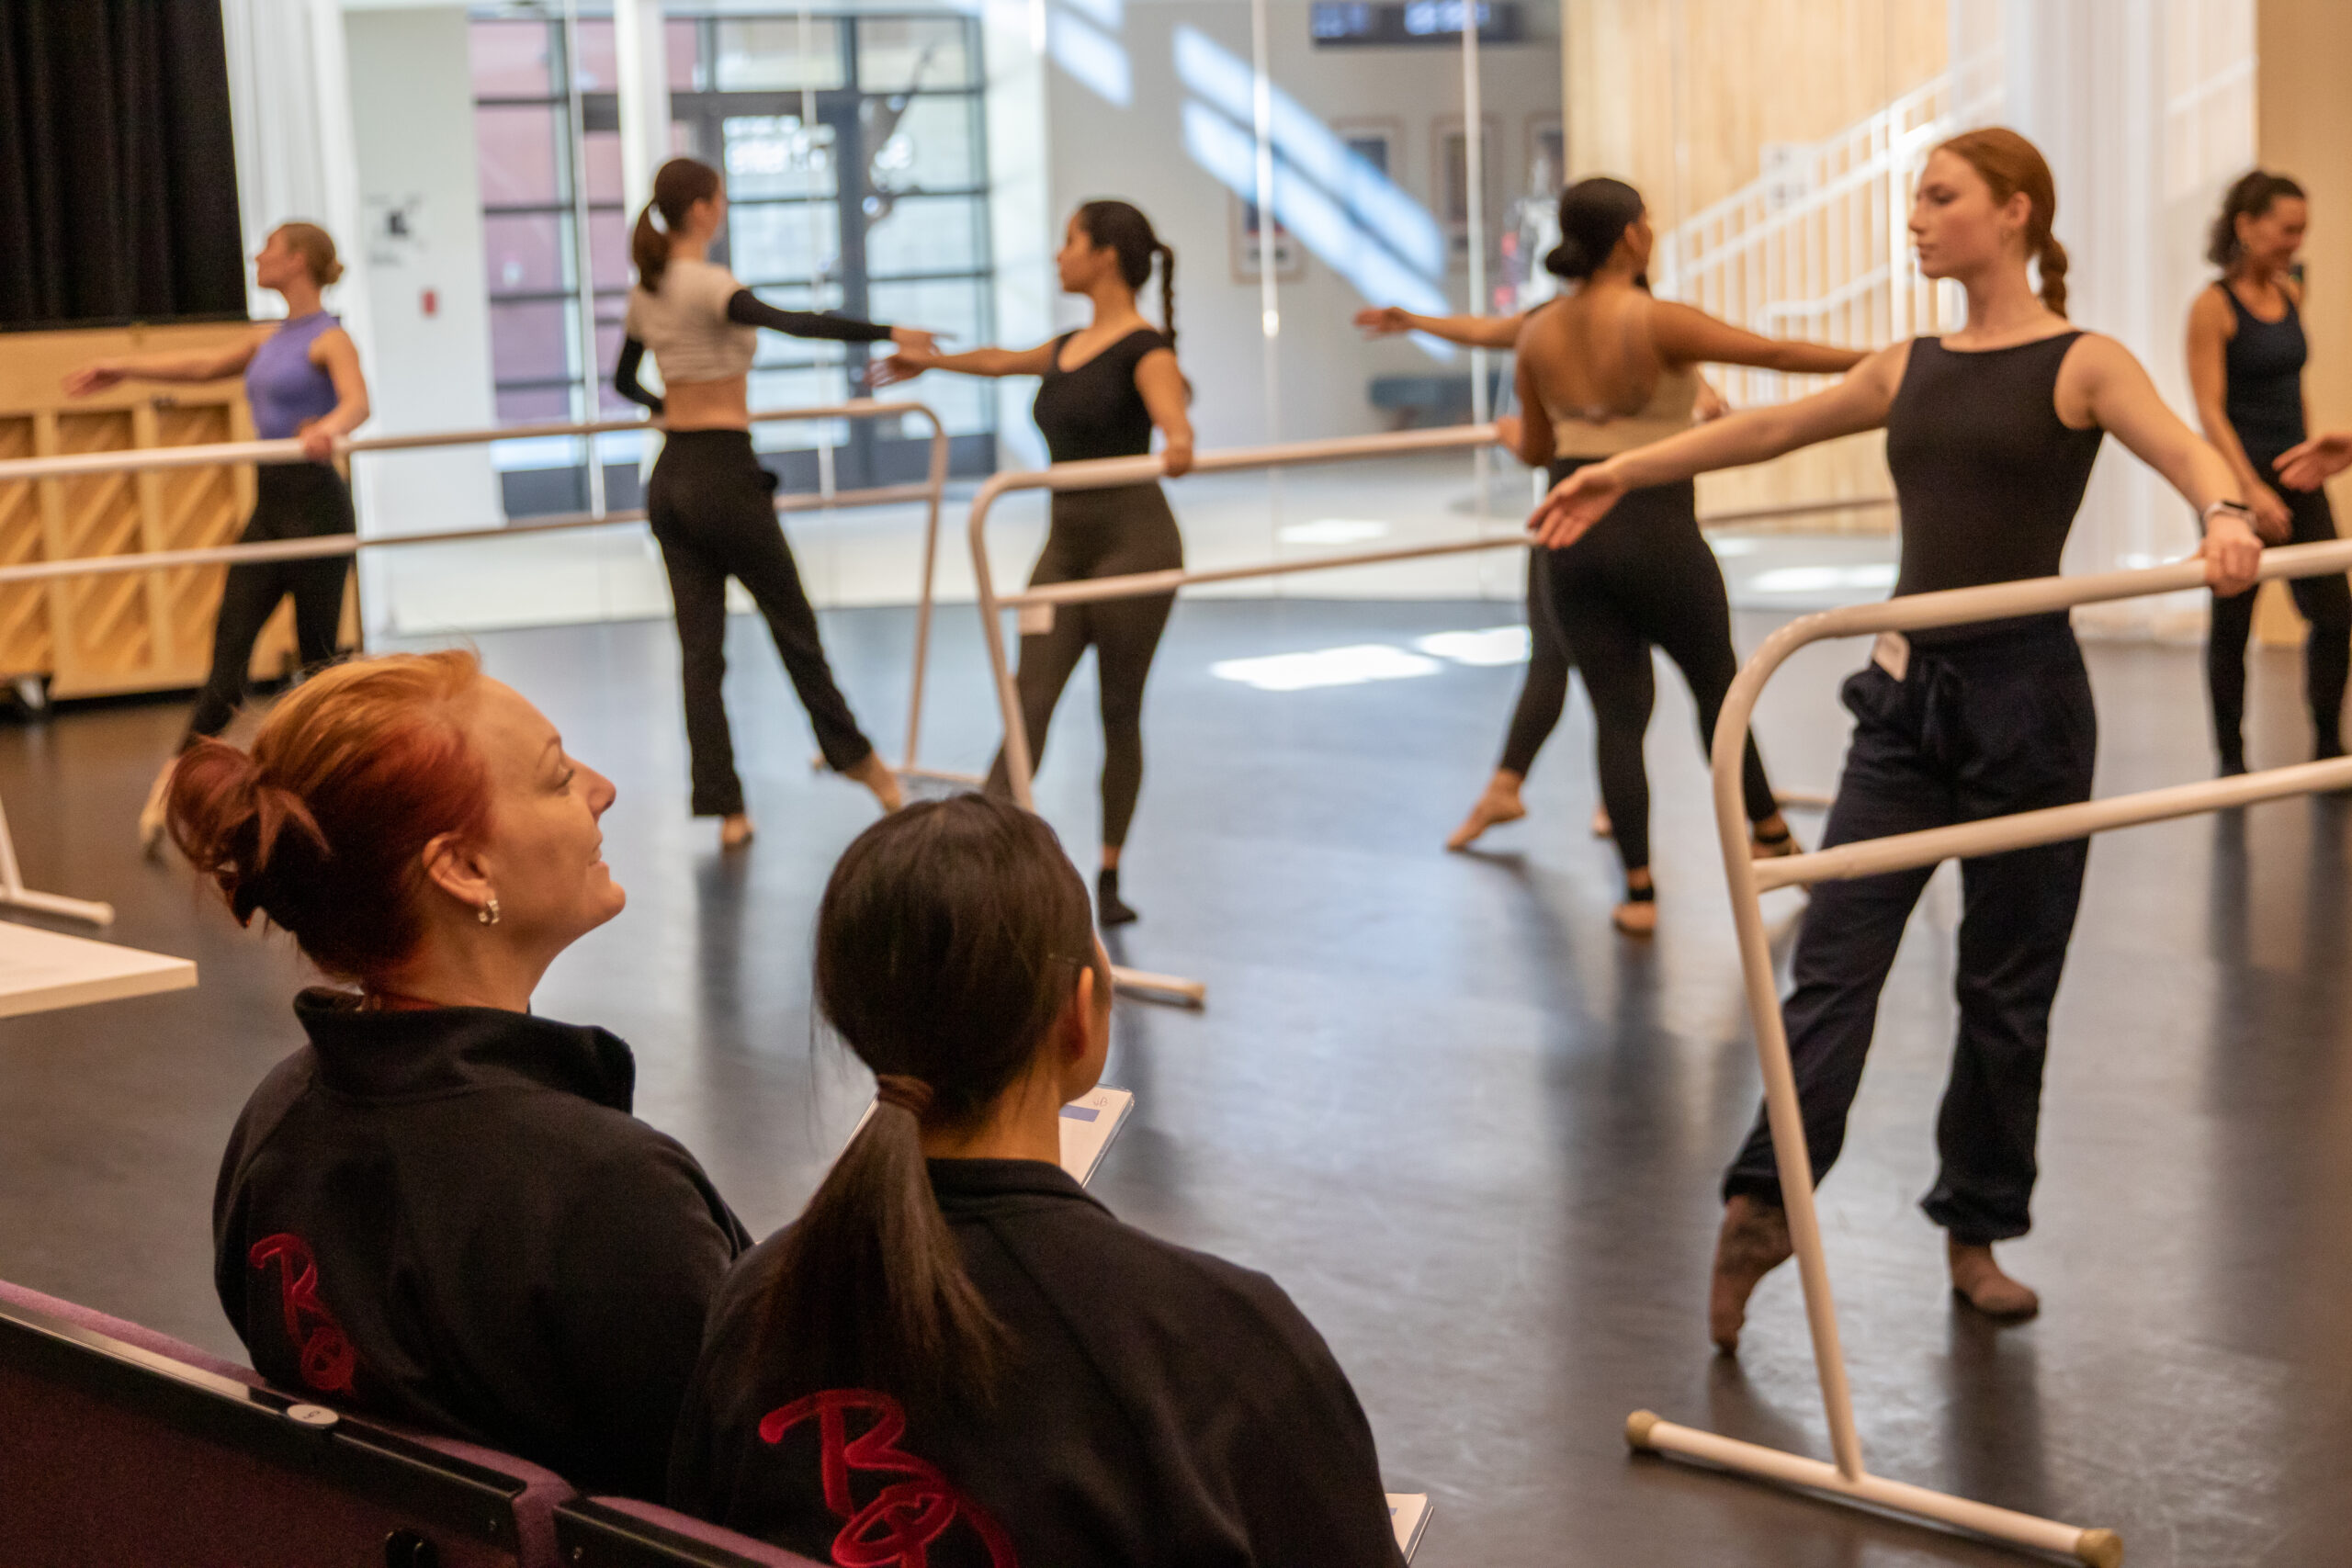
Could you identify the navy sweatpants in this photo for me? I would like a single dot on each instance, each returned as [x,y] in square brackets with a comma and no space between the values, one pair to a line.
[1998,723]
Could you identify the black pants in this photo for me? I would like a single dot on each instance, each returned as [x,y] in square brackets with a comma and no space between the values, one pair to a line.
[1645,577]
[713,510]
[292,500]
[1100,533]
[1544,692]
[1999,724]
[2325,602]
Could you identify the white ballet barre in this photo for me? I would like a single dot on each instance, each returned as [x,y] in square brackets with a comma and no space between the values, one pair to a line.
[1846,1477]
[96,465]
[1107,472]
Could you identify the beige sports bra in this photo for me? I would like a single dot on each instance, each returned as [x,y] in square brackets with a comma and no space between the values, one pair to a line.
[1603,432]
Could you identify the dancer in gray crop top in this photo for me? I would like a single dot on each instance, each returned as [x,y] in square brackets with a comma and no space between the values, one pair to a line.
[1990,435]
[711,501]
[302,382]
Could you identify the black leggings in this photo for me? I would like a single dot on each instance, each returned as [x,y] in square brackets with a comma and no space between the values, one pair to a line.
[1100,533]
[1645,576]
[292,500]
[2326,603]
[713,510]
[1543,692]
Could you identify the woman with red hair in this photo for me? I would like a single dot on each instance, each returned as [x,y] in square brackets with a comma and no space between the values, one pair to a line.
[1990,436]
[440,1209]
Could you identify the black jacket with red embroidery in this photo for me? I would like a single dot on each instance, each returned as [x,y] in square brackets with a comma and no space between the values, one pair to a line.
[1160,1407]
[450,1217]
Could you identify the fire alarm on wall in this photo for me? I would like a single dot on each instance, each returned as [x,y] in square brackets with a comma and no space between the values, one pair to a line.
[430,302]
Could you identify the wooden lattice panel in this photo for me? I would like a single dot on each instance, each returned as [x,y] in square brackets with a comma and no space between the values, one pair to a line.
[105,632]
[25,646]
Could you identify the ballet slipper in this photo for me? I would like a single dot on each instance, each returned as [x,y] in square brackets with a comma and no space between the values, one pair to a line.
[1979,1281]
[876,775]
[1601,827]
[152,815]
[736,831]
[1637,916]
[1499,803]
[1753,1242]
[1110,910]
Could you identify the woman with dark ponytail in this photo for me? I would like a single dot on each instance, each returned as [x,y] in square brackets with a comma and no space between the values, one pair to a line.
[1990,435]
[1606,368]
[955,1342]
[711,501]
[2246,352]
[1102,390]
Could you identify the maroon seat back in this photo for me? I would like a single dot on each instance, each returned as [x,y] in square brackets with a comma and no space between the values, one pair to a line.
[620,1532]
[122,1445]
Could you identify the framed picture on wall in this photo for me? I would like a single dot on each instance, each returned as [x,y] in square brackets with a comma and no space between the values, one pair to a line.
[1547,157]
[1290,257]
[1451,164]
[1379,143]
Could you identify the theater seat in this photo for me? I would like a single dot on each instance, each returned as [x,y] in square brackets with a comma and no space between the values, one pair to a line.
[618,1532]
[122,1445]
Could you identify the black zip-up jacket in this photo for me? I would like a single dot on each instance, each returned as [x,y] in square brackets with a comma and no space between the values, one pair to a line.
[450,1217]
[1161,1408]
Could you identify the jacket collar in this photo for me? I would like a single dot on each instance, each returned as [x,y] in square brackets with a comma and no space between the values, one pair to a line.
[433,1053]
[978,1180]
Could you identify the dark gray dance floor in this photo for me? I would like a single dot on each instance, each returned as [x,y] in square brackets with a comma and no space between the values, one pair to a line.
[1474,1132]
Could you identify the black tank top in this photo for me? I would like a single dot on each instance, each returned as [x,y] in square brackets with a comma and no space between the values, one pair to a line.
[1096,411]
[2265,361]
[1987,478]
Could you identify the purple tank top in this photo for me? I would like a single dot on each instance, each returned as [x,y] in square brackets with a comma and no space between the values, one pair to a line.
[282,387]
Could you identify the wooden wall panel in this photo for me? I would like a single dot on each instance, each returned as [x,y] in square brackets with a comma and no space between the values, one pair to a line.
[130,632]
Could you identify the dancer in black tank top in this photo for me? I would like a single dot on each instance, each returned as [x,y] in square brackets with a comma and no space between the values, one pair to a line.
[1101,392]
[2246,352]
[1990,438]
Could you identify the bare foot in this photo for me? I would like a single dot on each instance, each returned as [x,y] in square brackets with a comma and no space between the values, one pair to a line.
[151,815]
[735,833]
[1753,1242]
[876,775]
[1637,916]
[1500,804]
[1978,1281]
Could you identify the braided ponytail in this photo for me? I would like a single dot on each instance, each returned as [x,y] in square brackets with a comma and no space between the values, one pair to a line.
[1168,293]
[2051,259]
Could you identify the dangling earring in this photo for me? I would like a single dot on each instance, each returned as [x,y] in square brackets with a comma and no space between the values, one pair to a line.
[488,913]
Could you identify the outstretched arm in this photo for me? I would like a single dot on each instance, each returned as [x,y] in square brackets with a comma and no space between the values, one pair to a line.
[1689,337]
[1471,331]
[205,364]
[909,363]
[2114,390]
[1859,402]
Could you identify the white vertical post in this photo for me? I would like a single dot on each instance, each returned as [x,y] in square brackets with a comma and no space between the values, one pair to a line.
[1474,171]
[641,54]
[1270,316]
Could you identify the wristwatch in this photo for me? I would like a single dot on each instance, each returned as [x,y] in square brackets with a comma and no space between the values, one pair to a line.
[2237,509]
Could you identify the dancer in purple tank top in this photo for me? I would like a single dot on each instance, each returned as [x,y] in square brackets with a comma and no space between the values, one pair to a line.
[1990,436]
[302,381]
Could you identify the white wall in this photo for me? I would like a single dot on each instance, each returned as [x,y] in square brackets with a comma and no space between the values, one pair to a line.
[1138,150]
[412,113]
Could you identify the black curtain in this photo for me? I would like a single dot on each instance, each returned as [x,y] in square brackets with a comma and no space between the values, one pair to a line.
[118,169]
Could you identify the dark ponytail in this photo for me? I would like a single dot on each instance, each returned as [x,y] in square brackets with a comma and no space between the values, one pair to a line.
[950,938]
[1122,226]
[1594,215]
[677,185]
[2256,192]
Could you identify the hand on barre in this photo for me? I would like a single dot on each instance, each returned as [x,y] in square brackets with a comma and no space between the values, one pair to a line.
[2321,458]
[95,377]
[318,440]
[1176,458]
[1575,504]
[2232,556]
[1507,428]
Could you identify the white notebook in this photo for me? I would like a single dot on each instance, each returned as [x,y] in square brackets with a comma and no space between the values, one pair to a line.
[1410,1512]
[1089,1124]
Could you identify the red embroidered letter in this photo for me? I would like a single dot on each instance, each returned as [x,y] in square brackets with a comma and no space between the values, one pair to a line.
[328,1362]
[895,1527]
